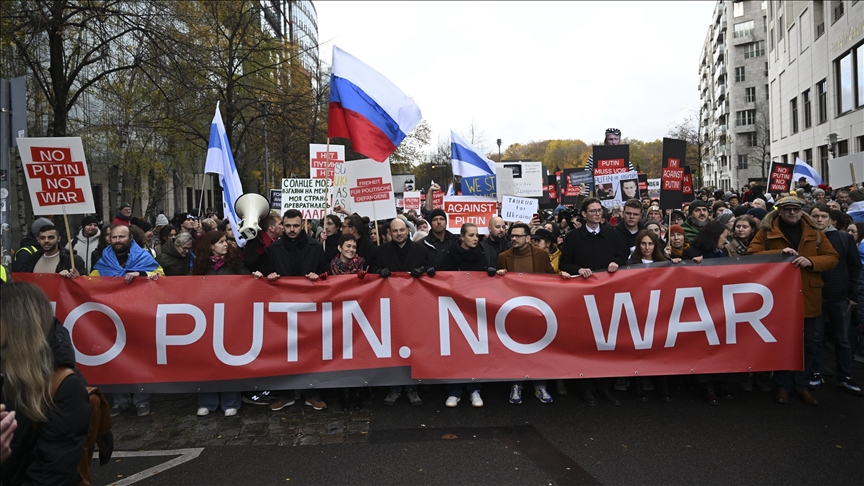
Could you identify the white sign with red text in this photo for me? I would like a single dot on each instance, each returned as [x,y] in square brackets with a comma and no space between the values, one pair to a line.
[57,175]
[478,210]
[370,188]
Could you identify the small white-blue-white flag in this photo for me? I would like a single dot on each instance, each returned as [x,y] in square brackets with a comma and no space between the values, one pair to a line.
[468,161]
[220,161]
[450,190]
[803,169]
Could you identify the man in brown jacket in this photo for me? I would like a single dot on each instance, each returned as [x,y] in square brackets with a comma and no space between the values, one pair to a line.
[789,230]
[523,257]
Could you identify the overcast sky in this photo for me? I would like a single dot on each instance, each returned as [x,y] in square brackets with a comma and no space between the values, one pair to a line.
[526,71]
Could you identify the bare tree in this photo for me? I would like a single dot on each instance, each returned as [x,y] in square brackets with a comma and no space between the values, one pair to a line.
[761,149]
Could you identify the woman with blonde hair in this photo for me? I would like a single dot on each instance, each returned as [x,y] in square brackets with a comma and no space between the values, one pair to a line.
[53,419]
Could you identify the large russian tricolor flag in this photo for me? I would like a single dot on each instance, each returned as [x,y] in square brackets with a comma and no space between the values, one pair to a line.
[367,108]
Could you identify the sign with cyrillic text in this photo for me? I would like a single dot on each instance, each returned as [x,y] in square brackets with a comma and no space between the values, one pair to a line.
[309,196]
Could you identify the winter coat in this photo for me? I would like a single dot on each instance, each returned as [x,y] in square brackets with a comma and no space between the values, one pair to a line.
[439,248]
[410,256]
[629,238]
[85,246]
[493,248]
[737,247]
[63,261]
[296,258]
[583,250]
[539,259]
[172,263]
[841,282]
[814,245]
[460,259]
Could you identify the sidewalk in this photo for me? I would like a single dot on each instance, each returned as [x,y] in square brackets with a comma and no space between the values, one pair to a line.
[172,424]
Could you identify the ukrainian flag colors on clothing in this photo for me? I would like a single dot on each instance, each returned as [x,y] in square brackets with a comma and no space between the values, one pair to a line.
[220,161]
[367,108]
[467,160]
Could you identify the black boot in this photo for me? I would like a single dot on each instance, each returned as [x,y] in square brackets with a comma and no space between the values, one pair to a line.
[664,389]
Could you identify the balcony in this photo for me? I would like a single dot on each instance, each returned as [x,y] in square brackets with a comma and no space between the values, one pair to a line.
[721,130]
[721,151]
[720,111]
[720,92]
[744,39]
[718,53]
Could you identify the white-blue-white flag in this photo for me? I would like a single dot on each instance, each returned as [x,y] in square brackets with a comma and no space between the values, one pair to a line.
[450,190]
[803,169]
[468,161]
[220,161]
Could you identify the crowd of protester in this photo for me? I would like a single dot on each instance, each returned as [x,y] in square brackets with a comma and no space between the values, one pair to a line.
[811,225]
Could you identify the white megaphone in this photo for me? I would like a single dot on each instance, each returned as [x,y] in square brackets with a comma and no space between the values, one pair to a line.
[251,208]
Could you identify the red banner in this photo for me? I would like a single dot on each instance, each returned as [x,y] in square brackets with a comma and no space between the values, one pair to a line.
[186,333]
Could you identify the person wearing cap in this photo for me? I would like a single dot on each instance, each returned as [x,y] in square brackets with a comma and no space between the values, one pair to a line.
[677,242]
[790,231]
[611,137]
[29,245]
[124,215]
[697,218]
[51,257]
[545,240]
[732,200]
[677,217]
[758,213]
[439,241]
[87,240]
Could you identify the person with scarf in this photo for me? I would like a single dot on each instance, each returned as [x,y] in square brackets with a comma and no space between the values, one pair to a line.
[348,262]
[330,236]
[216,257]
[124,215]
[745,228]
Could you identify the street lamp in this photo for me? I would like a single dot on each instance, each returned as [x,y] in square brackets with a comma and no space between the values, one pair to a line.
[499,150]
[832,144]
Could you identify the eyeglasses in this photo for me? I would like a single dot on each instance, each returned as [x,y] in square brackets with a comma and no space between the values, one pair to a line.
[793,209]
[186,248]
[593,211]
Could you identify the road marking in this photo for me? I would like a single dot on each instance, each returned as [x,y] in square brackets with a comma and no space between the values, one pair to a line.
[185,455]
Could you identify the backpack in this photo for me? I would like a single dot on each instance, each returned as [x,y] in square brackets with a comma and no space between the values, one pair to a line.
[100,427]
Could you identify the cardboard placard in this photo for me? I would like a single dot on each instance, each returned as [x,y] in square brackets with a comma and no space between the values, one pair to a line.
[309,196]
[469,209]
[370,189]
[643,185]
[479,186]
[504,183]
[57,175]
[572,181]
[780,178]
[520,209]
[611,159]
[672,174]
[320,165]
[687,189]
[614,189]
[411,200]
[528,179]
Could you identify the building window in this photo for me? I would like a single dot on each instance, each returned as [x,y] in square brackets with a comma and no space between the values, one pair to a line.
[859,61]
[742,161]
[766,69]
[750,95]
[808,156]
[766,92]
[742,29]
[845,83]
[784,159]
[859,142]
[739,74]
[780,28]
[842,148]
[805,100]
[794,156]
[754,49]
[750,139]
[819,17]
[793,107]
[737,9]
[746,117]
[823,161]
[837,9]
[771,37]
[822,92]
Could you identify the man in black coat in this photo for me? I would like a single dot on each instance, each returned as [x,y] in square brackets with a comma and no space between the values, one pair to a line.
[295,254]
[53,258]
[256,250]
[496,242]
[631,223]
[439,239]
[403,255]
[593,247]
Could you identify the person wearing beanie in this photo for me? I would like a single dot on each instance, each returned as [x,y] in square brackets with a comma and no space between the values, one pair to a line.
[124,215]
[29,245]
[87,240]
[758,213]
[439,239]
[161,220]
[677,242]
[696,220]
[677,217]
[726,218]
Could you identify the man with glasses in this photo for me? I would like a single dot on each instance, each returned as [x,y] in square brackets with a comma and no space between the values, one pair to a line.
[594,247]
[788,230]
[177,256]
[523,257]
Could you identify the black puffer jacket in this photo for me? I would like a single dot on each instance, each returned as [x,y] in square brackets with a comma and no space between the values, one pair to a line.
[841,282]
[172,263]
[410,256]
[472,259]
[296,258]
[48,454]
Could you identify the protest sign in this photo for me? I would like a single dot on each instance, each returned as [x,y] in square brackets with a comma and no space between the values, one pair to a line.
[672,174]
[654,188]
[520,209]
[611,159]
[276,199]
[572,182]
[527,179]
[643,185]
[320,166]
[614,189]
[469,209]
[57,175]
[370,189]
[411,200]
[479,185]
[780,179]
[182,337]
[309,196]
[687,188]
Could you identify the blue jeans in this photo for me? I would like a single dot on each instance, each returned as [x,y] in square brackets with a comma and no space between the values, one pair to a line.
[211,400]
[838,323]
[784,379]
[455,389]
[123,400]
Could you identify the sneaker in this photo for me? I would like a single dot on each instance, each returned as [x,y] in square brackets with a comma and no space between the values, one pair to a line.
[848,385]
[316,403]
[142,409]
[452,402]
[543,395]
[815,381]
[392,397]
[414,398]
[476,401]
[117,410]
[230,412]
[262,398]
[280,404]
[516,394]
[202,411]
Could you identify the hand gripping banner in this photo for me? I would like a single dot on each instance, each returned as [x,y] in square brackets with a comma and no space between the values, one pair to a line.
[185,334]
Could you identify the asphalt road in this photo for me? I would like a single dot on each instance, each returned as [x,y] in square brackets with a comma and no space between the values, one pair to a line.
[747,440]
